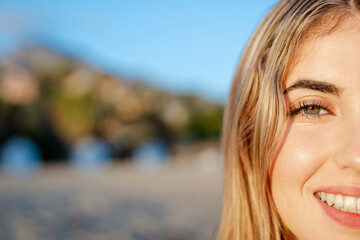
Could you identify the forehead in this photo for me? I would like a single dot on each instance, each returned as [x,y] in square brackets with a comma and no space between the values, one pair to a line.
[331,57]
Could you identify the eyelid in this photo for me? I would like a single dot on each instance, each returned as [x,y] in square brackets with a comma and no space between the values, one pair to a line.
[311,99]
[309,102]
[296,108]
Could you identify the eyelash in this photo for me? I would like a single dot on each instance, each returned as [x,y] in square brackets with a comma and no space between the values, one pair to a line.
[297,108]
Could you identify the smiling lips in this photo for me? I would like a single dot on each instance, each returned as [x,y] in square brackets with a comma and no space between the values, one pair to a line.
[344,208]
[340,202]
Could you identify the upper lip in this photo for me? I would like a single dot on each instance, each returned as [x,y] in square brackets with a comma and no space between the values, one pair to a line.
[353,191]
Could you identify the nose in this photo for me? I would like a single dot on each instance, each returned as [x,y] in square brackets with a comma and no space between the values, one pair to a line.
[349,140]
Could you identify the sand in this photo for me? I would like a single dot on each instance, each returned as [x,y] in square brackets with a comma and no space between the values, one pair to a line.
[175,201]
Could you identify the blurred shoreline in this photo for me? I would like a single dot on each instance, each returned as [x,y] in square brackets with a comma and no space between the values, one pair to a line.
[179,200]
[88,155]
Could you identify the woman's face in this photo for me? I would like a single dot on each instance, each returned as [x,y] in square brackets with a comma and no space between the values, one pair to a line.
[316,176]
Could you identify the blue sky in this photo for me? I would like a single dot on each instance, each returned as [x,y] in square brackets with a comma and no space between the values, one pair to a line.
[185,46]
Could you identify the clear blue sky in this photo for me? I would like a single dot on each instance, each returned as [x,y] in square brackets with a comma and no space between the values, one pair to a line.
[186,46]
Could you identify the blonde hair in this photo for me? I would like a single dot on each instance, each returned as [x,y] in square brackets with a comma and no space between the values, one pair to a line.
[256,112]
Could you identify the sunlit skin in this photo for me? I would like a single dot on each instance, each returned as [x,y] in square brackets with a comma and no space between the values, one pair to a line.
[322,145]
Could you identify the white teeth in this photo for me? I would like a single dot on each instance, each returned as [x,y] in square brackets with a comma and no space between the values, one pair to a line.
[323,196]
[343,203]
[339,201]
[330,199]
[350,203]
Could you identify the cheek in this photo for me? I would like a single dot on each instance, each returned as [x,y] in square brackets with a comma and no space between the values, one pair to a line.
[305,149]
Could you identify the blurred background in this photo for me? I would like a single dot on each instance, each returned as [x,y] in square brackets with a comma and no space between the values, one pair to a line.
[111,114]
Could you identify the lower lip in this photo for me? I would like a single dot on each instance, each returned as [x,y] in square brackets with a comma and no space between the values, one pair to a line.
[345,218]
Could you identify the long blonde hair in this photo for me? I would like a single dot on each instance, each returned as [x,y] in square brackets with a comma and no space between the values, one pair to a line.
[254,121]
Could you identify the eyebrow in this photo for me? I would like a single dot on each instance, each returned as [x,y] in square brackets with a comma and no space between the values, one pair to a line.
[321,86]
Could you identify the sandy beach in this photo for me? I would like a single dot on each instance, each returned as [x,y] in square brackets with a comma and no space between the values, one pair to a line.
[176,201]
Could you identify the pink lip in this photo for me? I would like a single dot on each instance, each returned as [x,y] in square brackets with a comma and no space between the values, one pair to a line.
[345,218]
[342,190]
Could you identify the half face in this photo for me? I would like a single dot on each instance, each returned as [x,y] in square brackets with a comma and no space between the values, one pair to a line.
[316,176]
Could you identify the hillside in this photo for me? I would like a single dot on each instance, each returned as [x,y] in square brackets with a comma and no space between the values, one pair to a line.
[58,101]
